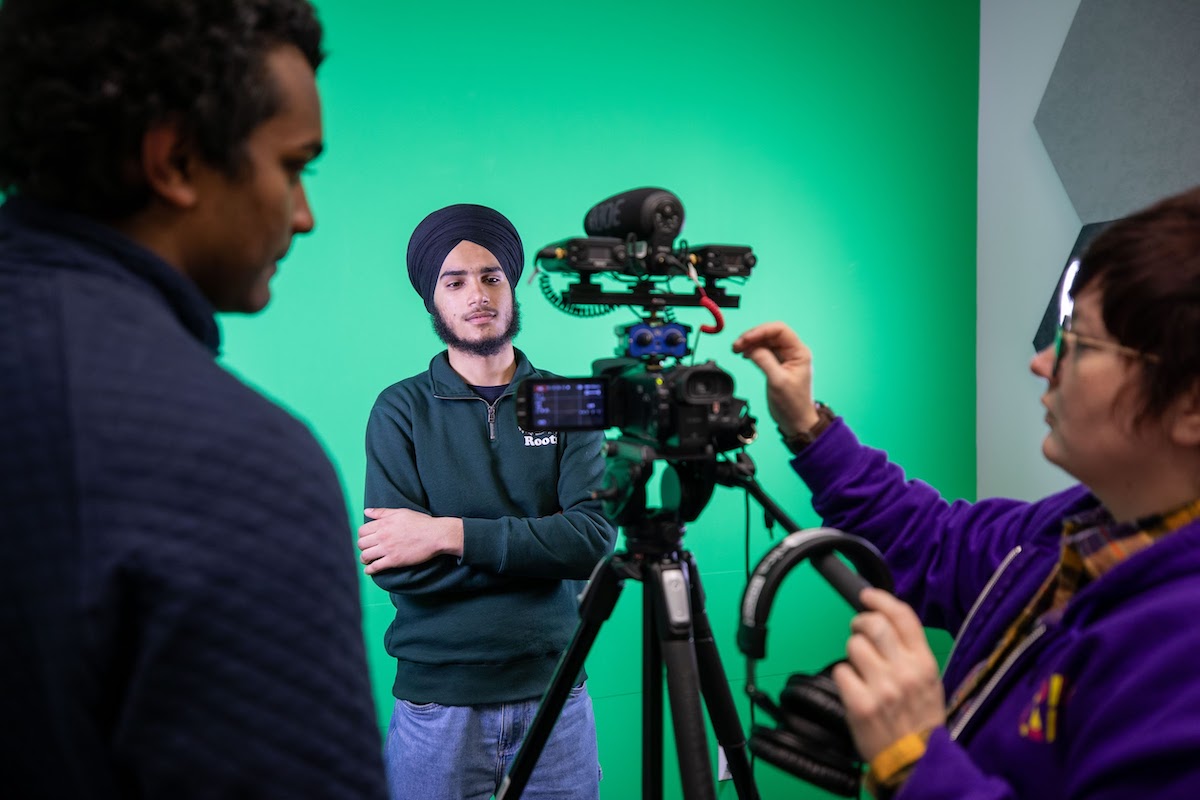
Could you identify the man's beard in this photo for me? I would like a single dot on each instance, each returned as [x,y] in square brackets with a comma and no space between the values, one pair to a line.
[479,347]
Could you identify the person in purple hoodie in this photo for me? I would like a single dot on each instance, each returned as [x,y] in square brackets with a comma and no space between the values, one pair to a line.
[1073,673]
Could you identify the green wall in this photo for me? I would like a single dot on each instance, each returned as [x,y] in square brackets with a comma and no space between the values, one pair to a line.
[837,139]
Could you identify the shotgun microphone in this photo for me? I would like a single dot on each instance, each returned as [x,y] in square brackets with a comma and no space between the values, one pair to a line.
[650,215]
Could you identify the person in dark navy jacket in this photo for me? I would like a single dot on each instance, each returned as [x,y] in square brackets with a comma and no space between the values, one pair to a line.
[178,595]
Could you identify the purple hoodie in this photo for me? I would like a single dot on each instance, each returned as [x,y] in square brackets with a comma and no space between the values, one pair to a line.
[1102,703]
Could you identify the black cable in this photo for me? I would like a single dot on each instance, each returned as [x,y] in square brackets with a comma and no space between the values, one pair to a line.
[574,309]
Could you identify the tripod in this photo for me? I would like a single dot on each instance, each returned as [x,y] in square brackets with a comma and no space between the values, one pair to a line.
[675,634]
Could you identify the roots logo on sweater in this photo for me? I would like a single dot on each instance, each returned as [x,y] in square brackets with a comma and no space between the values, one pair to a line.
[540,439]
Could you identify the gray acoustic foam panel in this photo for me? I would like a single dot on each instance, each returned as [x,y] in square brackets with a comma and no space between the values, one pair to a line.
[1121,114]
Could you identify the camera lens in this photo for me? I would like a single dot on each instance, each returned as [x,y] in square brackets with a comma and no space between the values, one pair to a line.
[705,385]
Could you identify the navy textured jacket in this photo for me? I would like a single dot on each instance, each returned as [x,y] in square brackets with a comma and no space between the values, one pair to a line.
[179,612]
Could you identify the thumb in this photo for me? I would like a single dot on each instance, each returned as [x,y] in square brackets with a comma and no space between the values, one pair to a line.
[379,513]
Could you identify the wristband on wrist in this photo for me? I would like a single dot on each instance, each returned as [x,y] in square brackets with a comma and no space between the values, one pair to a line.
[798,441]
[891,768]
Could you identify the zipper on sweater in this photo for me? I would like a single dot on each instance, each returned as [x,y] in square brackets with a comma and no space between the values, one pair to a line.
[967,715]
[491,414]
[991,584]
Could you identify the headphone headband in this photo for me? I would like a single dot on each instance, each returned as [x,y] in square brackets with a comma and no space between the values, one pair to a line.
[779,561]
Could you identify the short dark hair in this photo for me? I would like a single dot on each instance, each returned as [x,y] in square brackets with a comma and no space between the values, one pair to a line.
[82,82]
[1147,267]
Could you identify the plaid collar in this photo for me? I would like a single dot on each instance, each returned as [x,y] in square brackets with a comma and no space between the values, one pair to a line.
[1093,543]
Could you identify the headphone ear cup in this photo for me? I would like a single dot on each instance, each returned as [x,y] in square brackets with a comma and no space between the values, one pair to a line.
[813,741]
[809,701]
[788,752]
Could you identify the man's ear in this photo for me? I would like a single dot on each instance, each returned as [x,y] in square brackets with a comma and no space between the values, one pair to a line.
[166,163]
[1185,417]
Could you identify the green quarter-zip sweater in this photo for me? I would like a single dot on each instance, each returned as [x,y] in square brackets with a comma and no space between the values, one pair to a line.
[488,627]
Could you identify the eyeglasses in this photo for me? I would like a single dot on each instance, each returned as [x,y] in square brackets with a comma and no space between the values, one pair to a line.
[1065,334]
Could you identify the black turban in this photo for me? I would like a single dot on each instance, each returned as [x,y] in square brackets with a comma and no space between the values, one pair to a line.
[441,231]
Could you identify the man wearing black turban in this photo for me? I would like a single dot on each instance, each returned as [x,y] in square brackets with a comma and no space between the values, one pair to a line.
[482,533]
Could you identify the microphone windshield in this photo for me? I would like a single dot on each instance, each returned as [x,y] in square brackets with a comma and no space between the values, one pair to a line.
[651,215]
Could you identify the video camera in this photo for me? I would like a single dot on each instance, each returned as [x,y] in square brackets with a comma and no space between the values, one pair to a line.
[683,411]
[684,414]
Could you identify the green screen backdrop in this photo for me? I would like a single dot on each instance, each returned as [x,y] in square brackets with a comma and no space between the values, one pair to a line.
[836,139]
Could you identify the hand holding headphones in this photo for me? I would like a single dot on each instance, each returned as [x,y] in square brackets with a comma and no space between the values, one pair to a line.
[890,683]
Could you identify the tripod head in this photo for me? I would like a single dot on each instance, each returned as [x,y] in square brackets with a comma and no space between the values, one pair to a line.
[685,488]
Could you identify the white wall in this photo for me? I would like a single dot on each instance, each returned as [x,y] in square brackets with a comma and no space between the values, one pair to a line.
[1026,229]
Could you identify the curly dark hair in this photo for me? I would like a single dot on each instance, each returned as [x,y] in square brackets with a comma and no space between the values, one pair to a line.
[1147,268]
[81,83]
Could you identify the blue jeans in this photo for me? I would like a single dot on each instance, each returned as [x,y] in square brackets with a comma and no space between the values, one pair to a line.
[436,752]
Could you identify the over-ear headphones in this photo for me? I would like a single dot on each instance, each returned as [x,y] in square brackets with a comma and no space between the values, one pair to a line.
[812,740]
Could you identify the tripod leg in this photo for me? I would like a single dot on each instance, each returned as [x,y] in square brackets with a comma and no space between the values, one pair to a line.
[596,605]
[717,697]
[652,701]
[669,583]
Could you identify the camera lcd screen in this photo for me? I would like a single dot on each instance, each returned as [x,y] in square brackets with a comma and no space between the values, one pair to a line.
[563,404]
